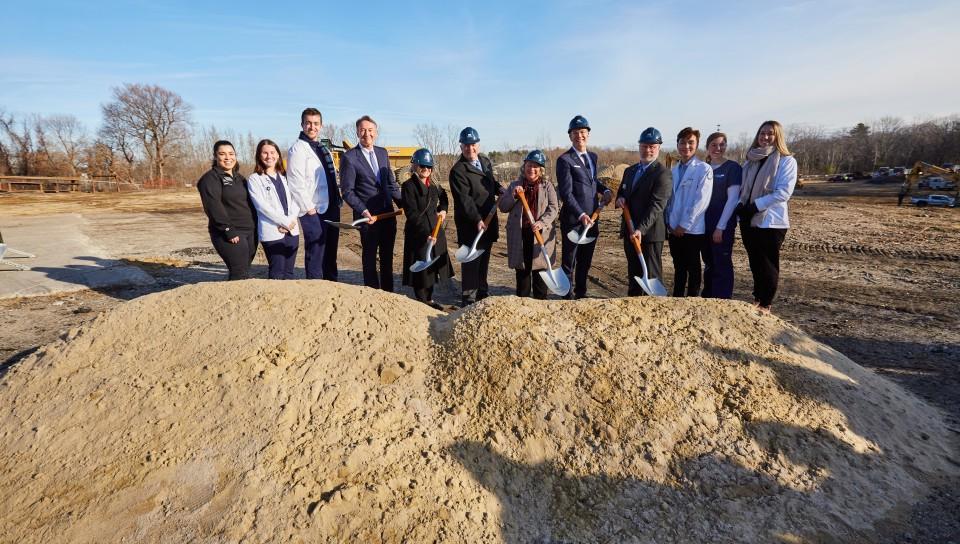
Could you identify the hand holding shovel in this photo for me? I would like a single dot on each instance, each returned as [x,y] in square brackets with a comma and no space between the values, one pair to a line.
[556,280]
[651,286]
[428,258]
[466,253]
[580,237]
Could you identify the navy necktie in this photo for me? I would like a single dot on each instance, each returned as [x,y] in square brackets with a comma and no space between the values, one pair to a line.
[280,193]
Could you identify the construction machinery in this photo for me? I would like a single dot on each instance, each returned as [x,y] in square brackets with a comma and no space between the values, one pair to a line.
[921,169]
[399,155]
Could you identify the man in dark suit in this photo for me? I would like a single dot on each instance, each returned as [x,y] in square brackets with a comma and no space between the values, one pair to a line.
[580,192]
[645,190]
[370,188]
[474,190]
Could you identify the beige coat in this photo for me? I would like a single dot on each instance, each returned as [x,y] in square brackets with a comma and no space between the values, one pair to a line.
[545,211]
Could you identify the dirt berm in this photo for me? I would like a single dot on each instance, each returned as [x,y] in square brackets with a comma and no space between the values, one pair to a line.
[264,411]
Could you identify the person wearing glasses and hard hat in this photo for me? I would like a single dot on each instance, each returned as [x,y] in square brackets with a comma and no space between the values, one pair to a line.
[645,189]
[580,192]
[475,190]
[424,203]
[523,255]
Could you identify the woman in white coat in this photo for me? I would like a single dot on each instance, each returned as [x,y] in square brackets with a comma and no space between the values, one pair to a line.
[769,176]
[276,211]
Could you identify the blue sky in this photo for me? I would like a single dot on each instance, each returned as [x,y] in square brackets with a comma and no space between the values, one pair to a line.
[516,71]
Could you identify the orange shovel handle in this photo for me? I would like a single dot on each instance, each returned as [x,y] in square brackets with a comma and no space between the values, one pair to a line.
[436,228]
[526,209]
[388,215]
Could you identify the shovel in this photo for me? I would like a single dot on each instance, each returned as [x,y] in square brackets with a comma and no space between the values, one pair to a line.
[420,266]
[580,237]
[356,224]
[466,253]
[651,286]
[556,280]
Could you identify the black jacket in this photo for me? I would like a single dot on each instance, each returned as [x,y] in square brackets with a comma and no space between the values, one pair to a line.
[474,195]
[226,202]
[420,207]
[647,200]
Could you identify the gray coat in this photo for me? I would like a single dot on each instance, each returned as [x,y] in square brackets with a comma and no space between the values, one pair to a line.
[545,210]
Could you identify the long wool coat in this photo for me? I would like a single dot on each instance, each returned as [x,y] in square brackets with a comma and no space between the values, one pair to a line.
[421,204]
[545,210]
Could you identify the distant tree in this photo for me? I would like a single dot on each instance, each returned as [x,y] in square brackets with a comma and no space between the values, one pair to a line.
[69,139]
[155,118]
[338,133]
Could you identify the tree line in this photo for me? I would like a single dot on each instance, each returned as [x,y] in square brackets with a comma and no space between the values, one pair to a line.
[147,135]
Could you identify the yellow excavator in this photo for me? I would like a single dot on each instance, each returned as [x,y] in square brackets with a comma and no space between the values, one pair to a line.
[921,169]
[399,156]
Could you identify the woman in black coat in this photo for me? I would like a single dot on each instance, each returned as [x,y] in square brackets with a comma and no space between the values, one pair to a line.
[424,203]
[232,217]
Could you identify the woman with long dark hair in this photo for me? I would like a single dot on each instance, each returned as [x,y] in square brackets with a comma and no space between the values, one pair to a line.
[276,211]
[769,176]
[232,222]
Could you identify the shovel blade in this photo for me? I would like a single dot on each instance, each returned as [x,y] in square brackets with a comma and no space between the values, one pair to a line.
[465,255]
[420,266]
[651,286]
[579,238]
[557,282]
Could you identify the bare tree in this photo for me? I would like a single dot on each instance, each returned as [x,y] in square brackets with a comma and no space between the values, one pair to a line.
[154,117]
[70,138]
[338,133]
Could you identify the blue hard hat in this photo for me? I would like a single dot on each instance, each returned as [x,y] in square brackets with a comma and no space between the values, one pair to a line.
[577,123]
[469,135]
[422,157]
[536,156]
[651,136]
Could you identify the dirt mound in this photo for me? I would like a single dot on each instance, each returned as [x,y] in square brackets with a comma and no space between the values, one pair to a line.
[312,411]
[613,174]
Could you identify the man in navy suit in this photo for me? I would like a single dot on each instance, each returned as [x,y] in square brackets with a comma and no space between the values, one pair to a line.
[645,190]
[370,188]
[580,192]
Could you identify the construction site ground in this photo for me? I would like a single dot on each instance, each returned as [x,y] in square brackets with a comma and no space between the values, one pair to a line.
[878,282]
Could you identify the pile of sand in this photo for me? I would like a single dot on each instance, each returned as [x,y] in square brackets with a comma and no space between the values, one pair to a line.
[310,411]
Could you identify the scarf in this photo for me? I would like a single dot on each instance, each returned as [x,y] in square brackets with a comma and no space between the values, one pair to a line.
[531,190]
[758,176]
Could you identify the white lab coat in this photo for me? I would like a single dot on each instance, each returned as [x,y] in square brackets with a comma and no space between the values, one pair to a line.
[688,203]
[269,209]
[308,180]
[773,207]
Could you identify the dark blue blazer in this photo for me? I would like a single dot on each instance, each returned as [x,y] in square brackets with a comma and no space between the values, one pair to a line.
[577,187]
[360,186]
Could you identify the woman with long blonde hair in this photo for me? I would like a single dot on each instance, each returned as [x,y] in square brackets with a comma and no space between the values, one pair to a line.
[769,176]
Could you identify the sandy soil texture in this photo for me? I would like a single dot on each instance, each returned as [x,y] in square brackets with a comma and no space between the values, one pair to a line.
[285,411]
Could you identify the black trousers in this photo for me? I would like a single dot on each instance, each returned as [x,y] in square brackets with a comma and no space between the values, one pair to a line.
[423,294]
[763,249]
[652,252]
[237,256]
[687,273]
[577,258]
[473,276]
[377,240]
[281,256]
[527,277]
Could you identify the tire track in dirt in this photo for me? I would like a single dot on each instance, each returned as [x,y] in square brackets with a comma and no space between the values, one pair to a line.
[855,249]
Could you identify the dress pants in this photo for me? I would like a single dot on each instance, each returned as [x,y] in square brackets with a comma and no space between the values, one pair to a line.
[577,258]
[473,276]
[281,256]
[320,242]
[527,277]
[687,274]
[763,249]
[718,265]
[237,256]
[377,240]
[652,252]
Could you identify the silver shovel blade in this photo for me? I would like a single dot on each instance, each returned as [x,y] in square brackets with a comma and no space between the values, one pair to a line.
[577,237]
[557,282]
[341,225]
[420,266]
[467,254]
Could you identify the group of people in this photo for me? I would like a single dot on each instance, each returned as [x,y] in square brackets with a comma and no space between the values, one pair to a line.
[694,206]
